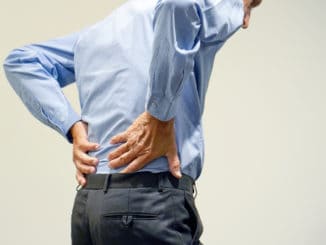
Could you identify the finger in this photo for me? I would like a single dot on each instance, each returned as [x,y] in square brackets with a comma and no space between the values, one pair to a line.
[88,146]
[174,164]
[119,138]
[80,178]
[118,152]
[85,159]
[85,169]
[135,165]
[123,159]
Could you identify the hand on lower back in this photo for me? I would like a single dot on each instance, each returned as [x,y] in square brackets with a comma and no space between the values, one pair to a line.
[81,146]
[145,140]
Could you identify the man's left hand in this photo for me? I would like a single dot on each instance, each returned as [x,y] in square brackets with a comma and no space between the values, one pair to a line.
[145,140]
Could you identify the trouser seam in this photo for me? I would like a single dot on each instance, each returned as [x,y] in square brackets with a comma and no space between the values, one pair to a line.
[86,218]
[175,218]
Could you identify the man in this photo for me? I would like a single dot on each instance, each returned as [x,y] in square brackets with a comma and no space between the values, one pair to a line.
[142,75]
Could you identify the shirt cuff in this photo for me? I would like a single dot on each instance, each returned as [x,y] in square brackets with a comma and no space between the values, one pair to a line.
[73,117]
[161,108]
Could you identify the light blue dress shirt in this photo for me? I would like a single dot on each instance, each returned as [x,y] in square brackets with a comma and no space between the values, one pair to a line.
[146,55]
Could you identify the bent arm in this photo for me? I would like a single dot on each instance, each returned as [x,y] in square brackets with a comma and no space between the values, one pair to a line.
[37,72]
[176,28]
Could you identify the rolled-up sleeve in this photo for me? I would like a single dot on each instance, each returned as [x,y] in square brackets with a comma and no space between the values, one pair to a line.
[37,72]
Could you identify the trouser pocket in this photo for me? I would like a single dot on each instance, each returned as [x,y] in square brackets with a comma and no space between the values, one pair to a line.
[196,223]
[138,216]
[126,219]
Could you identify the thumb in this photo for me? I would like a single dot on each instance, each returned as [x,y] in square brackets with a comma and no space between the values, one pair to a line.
[80,178]
[174,163]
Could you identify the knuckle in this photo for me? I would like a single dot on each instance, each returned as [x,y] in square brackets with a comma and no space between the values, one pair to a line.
[85,158]
[78,144]
[88,161]
[82,145]
[129,144]
[134,168]
[76,159]
[175,167]
[77,163]
[79,148]
[80,165]
[93,162]
[149,151]
[141,144]
[175,163]
[84,169]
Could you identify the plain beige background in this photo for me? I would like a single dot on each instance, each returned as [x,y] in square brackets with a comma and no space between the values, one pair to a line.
[264,177]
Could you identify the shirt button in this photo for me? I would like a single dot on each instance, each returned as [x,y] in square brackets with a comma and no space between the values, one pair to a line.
[154,104]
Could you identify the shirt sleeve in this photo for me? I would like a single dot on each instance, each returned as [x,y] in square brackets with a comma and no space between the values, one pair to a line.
[177,24]
[37,72]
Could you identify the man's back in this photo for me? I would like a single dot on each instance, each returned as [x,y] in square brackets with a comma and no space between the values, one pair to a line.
[146,68]
[112,60]
[119,60]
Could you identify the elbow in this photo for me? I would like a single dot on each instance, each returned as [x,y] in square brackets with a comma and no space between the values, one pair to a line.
[12,59]
[7,62]
[14,56]
[12,64]
[17,57]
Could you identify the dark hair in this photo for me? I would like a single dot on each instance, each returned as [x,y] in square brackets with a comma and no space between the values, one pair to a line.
[255,3]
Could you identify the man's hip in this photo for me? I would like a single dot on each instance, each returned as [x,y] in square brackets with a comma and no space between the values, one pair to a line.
[139,208]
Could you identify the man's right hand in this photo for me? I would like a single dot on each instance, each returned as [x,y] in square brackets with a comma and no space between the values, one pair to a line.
[81,146]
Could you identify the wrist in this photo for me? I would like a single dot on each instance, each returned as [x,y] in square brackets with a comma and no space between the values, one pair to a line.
[162,125]
[78,130]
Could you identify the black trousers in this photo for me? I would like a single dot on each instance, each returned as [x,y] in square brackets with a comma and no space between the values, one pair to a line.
[138,209]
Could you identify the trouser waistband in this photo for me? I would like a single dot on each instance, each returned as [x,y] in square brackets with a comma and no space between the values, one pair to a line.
[139,180]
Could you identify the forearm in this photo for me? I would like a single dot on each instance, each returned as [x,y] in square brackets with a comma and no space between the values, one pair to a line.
[176,28]
[37,72]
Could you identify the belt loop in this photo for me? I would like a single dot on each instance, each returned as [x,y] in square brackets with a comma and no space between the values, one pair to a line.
[160,182]
[195,192]
[107,183]
[78,187]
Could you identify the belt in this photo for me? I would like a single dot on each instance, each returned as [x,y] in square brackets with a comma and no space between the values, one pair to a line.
[138,180]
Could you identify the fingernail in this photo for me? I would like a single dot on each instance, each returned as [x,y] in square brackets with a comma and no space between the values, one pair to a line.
[179,174]
[97,146]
